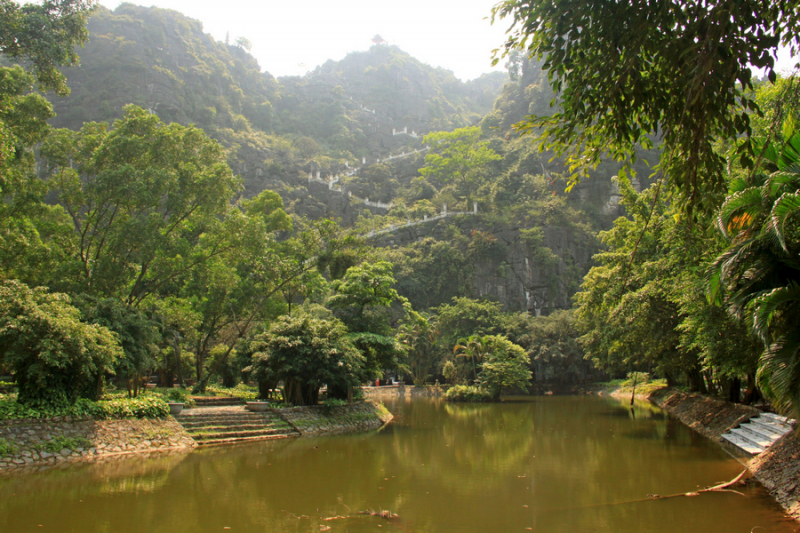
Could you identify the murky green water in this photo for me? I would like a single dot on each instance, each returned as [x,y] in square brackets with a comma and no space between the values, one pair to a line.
[553,464]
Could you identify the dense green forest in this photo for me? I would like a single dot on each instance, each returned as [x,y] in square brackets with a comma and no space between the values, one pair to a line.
[170,208]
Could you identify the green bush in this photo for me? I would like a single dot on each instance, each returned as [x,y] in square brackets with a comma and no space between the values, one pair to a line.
[178,396]
[245,392]
[142,407]
[506,367]
[10,409]
[55,357]
[467,393]
[330,403]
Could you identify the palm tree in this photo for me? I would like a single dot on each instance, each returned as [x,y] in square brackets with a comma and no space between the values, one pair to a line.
[476,348]
[419,336]
[758,275]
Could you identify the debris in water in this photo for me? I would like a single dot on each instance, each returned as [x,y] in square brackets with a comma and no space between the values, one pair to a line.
[388,515]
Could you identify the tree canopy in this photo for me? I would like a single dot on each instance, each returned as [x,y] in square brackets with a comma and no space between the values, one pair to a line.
[631,72]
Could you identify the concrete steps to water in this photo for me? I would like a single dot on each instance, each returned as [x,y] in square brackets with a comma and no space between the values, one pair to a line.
[227,424]
[759,433]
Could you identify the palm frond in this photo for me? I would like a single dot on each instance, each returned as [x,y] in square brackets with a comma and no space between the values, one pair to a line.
[768,304]
[779,373]
[740,211]
[784,207]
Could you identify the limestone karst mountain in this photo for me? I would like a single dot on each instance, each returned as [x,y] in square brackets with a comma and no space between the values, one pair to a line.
[345,141]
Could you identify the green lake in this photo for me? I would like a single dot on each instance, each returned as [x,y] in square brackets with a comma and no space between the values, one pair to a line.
[547,464]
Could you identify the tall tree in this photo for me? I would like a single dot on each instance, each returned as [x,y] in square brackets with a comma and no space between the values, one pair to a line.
[363,299]
[645,313]
[458,157]
[55,356]
[305,353]
[142,196]
[629,72]
[43,37]
[418,335]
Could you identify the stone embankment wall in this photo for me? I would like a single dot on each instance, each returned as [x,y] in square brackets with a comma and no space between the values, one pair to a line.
[319,420]
[778,468]
[708,416]
[44,443]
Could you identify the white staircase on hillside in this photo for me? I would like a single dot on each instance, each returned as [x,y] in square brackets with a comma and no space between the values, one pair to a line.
[759,433]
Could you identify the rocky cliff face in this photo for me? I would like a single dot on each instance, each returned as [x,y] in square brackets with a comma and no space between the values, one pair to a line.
[520,276]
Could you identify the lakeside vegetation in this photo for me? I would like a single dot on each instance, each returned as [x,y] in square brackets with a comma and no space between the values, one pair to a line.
[132,248]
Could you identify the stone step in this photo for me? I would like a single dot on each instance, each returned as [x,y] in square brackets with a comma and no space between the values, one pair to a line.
[743,444]
[754,437]
[778,419]
[202,414]
[230,427]
[231,421]
[770,428]
[238,434]
[758,431]
[221,441]
[228,419]
[217,400]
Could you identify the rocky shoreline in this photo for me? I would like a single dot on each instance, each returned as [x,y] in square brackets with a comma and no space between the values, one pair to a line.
[319,420]
[777,469]
[45,444]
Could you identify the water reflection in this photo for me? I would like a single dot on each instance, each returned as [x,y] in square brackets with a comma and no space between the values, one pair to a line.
[550,464]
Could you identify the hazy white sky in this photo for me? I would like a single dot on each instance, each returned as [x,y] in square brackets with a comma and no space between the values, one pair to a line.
[291,37]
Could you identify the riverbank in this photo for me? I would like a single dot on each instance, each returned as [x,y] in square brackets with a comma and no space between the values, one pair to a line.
[708,416]
[777,469]
[320,420]
[46,443]
[42,444]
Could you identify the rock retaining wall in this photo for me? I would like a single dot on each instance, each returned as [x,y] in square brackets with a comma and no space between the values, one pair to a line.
[43,443]
[319,420]
[708,416]
[778,469]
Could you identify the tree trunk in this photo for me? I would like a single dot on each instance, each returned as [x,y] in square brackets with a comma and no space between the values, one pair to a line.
[735,390]
[165,378]
[751,395]
[696,382]
[176,348]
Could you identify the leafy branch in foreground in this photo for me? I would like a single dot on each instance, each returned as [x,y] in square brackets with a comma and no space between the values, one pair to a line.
[626,73]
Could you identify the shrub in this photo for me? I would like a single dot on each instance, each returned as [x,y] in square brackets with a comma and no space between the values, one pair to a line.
[467,393]
[142,407]
[245,392]
[179,396]
[330,403]
[11,409]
